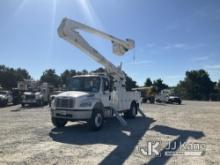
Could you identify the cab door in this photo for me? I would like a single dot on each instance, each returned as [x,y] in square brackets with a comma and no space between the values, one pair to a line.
[9,97]
[105,92]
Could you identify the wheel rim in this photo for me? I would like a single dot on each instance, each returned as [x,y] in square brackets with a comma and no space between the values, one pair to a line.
[98,120]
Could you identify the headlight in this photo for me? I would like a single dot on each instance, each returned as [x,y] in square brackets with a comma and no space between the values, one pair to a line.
[53,104]
[38,96]
[3,97]
[86,104]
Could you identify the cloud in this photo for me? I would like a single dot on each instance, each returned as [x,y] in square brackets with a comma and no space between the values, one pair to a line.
[202,58]
[150,45]
[183,46]
[213,67]
[174,77]
[141,62]
[178,45]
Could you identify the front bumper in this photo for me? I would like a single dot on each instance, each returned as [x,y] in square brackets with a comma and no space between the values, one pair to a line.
[3,101]
[175,100]
[71,114]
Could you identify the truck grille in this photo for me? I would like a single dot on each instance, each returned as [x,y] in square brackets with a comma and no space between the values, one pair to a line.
[65,102]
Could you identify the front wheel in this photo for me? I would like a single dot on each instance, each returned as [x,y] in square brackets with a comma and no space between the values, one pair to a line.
[6,103]
[96,121]
[59,123]
[40,103]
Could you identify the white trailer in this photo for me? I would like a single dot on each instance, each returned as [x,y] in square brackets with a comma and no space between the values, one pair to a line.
[94,97]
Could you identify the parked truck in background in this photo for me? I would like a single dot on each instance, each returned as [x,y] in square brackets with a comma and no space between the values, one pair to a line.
[38,95]
[147,94]
[5,97]
[17,95]
[168,96]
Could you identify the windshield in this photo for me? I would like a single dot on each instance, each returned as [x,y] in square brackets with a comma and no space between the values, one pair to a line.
[88,84]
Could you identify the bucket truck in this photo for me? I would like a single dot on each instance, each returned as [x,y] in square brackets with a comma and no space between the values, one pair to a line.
[94,97]
[34,93]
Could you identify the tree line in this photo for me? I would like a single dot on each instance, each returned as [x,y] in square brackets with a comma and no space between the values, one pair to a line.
[9,77]
[196,85]
[51,77]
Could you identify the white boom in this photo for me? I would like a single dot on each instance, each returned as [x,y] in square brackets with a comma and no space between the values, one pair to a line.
[68,31]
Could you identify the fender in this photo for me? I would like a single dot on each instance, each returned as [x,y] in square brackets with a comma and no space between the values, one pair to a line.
[99,106]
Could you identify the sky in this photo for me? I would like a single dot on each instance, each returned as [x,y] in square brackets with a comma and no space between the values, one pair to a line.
[171,36]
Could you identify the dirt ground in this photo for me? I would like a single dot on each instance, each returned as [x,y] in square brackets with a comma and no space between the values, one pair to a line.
[28,137]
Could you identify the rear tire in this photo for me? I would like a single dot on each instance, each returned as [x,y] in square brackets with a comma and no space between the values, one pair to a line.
[152,100]
[131,114]
[96,121]
[59,123]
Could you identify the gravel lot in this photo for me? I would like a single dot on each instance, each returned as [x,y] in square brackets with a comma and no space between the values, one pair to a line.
[28,137]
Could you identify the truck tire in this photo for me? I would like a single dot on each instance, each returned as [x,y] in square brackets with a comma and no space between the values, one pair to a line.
[152,100]
[132,112]
[15,102]
[6,103]
[59,123]
[96,121]
[40,103]
[23,105]
[158,101]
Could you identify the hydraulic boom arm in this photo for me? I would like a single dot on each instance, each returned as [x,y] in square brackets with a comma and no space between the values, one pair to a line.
[68,31]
